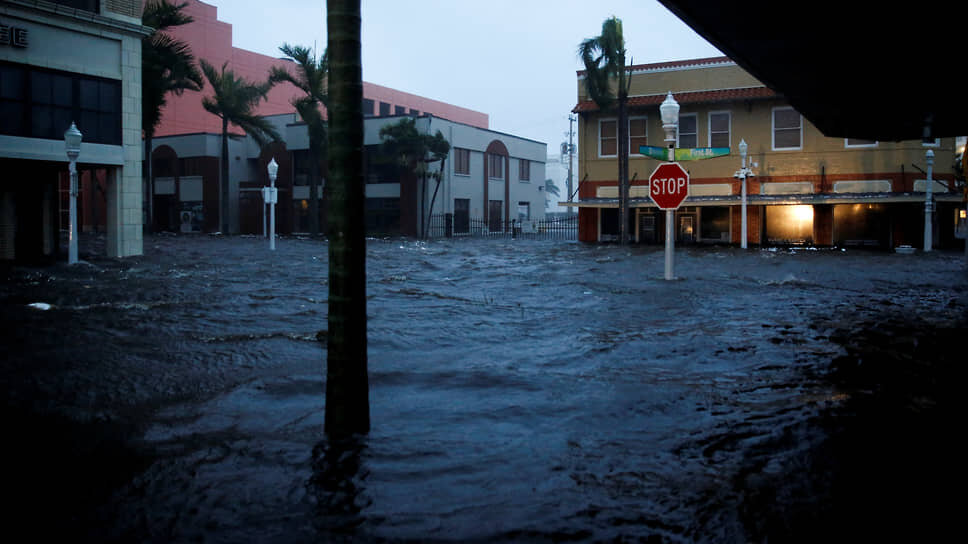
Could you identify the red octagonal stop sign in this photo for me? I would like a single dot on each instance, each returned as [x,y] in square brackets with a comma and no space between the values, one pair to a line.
[669,185]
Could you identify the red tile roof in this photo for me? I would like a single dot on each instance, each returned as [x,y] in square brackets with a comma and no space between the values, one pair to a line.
[691,97]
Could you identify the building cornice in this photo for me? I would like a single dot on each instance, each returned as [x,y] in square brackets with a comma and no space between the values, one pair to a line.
[676,66]
[50,9]
[689,97]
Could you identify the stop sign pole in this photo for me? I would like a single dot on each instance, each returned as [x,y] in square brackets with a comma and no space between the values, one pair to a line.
[669,113]
[668,188]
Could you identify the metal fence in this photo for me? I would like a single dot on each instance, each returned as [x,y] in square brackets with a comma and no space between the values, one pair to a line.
[447,225]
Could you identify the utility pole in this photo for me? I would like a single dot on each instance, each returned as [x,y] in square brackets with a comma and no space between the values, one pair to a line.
[571,153]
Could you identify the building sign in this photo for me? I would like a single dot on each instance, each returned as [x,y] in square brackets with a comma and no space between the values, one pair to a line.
[13,36]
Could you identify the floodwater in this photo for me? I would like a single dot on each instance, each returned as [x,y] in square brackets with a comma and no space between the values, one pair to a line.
[520,391]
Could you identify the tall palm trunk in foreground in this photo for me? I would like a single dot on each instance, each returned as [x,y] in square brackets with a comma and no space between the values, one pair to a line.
[347,387]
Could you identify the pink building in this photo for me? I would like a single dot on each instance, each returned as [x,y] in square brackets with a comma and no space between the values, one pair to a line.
[211,39]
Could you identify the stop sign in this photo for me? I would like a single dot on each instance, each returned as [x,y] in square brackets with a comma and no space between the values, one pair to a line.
[669,185]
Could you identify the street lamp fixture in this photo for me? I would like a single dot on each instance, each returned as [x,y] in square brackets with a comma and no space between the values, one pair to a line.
[669,112]
[271,198]
[743,173]
[72,145]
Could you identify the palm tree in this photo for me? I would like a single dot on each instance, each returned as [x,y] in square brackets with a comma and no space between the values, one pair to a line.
[551,190]
[347,387]
[233,101]
[310,78]
[167,66]
[604,60]
[415,150]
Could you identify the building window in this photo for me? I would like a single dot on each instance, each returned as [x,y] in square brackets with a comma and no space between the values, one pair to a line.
[191,166]
[495,220]
[378,167]
[415,113]
[368,107]
[86,5]
[462,161]
[399,110]
[857,142]
[719,126]
[462,215]
[688,131]
[524,211]
[495,166]
[608,138]
[40,103]
[638,134]
[524,169]
[931,143]
[787,129]
[384,109]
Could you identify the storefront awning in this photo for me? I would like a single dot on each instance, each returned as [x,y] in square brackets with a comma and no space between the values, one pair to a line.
[775,200]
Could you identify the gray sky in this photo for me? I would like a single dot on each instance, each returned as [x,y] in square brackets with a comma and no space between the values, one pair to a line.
[514,60]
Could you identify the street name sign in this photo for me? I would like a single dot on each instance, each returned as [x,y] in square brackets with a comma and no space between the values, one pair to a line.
[683,153]
[669,185]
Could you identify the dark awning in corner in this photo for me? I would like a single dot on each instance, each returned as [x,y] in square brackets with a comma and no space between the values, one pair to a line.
[876,71]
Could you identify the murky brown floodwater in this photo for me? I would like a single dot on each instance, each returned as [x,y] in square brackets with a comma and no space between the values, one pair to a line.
[520,391]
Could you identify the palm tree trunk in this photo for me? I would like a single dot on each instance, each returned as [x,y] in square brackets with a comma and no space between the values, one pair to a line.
[347,388]
[314,189]
[623,169]
[224,179]
[432,200]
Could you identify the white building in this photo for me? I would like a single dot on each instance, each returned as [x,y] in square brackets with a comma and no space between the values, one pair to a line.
[61,62]
[186,178]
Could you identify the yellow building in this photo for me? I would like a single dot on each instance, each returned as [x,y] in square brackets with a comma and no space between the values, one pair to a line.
[806,188]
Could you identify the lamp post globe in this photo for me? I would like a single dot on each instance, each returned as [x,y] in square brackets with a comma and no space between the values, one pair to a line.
[72,145]
[273,169]
[669,112]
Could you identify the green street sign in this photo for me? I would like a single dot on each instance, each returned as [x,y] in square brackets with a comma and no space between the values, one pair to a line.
[684,154]
[700,153]
[659,153]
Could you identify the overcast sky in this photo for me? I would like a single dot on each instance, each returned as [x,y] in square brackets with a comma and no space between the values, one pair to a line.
[514,60]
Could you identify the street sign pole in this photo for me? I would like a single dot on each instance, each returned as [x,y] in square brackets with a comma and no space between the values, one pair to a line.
[668,188]
[670,241]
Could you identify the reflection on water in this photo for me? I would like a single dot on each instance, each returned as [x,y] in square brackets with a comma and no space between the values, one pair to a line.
[520,390]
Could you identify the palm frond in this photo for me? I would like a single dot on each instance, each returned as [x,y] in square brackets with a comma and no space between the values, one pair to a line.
[162,15]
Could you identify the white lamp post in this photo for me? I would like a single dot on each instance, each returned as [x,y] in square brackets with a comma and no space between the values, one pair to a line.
[271,198]
[72,144]
[669,111]
[928,206]
[742,174]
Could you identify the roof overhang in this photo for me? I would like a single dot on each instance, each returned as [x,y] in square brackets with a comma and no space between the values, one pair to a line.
[883,72]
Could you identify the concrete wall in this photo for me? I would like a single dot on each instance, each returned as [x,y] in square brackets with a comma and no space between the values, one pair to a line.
[107,46]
